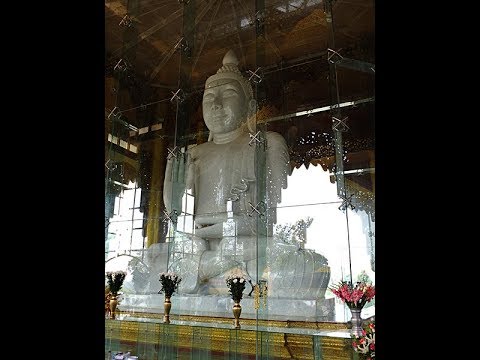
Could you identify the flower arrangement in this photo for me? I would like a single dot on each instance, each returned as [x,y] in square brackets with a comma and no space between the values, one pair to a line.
[365,344]
[236,282]
[170,282]
[115,281]
[354,296]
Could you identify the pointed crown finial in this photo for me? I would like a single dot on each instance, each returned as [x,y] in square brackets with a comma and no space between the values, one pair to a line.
[230,70]
[230,58]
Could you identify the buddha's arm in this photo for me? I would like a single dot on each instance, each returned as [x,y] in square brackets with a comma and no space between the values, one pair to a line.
[176,173]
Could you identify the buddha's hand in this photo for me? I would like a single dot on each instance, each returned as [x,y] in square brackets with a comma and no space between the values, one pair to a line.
[174,183]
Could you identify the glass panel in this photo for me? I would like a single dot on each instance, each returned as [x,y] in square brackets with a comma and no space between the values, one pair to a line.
[112,340]
[194,340]
[239,135]
[201,343]
[167,346]
[352,71]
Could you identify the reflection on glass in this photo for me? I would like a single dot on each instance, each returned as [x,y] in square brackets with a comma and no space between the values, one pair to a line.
[222,178]
[296,238]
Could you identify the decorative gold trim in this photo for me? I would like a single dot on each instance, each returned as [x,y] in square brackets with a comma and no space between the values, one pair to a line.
[180,338]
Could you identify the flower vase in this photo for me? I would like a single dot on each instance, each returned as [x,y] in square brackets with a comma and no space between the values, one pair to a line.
[113,306]
[237,310]
[167,305]
[356,322]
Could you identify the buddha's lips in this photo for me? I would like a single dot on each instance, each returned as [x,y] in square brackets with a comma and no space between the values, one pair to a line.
[205,221]
[201,226]
[218,118]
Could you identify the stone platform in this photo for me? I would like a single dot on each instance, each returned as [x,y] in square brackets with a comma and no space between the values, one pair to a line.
[221,306]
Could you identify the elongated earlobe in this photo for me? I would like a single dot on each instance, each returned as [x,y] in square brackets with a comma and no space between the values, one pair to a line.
[251,115]
[252,107]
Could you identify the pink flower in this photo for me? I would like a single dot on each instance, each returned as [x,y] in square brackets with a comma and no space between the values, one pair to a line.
[365,344]
[354,296]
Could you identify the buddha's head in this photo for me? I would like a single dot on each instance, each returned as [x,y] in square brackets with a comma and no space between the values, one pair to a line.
[228,98]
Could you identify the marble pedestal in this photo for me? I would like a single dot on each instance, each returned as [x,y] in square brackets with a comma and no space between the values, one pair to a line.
[221,306]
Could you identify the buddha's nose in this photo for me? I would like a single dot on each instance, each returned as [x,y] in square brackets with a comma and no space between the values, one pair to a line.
[216,105]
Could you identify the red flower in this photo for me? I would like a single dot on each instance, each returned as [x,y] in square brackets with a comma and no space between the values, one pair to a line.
[365,344]
[354,296]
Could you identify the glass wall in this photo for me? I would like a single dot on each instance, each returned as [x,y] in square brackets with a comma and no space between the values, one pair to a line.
[239,136]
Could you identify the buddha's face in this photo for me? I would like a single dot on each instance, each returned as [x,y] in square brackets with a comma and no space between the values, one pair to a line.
[224,105]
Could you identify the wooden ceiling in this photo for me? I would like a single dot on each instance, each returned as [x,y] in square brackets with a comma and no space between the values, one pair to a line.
[293,30]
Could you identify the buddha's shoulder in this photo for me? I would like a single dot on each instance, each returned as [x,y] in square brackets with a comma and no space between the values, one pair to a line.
[274,138]
[200,149]
[273,135]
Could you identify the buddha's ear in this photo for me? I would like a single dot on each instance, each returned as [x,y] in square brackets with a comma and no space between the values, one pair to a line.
[251,115]
[252,107]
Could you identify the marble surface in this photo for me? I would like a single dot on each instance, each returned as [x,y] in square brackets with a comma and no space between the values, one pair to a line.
[231,216]
[221,306]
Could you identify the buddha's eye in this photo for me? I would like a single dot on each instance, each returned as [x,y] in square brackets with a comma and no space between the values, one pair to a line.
[229,92]
[208,97]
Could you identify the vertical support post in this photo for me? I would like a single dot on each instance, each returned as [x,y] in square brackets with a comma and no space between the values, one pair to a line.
[335,103]
[260,161]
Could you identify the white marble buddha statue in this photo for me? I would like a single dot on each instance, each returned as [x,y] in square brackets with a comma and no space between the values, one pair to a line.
[224,180]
